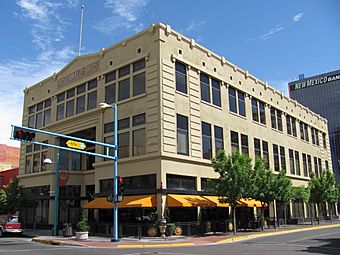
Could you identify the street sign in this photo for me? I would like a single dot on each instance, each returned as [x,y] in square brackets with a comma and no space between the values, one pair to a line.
[76,145]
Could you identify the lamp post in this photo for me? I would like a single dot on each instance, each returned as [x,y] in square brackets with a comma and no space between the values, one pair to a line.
[56,192]
[115,171]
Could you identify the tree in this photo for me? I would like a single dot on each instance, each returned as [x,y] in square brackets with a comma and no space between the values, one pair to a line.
[263,186]
[323,189]
[11,197]
[283,190]
[234,181]
[303,193]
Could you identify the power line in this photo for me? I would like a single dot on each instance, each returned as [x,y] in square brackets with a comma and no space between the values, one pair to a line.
[145,13]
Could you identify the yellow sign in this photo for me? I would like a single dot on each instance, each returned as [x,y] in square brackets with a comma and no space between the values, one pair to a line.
[76,145]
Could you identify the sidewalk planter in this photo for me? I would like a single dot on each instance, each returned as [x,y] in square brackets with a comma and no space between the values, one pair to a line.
[82,235]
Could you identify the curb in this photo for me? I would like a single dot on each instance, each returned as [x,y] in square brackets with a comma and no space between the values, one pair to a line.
[154,245]
[282,232]
[43,241]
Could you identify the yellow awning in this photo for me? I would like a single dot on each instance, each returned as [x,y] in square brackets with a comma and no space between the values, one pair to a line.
[174,200]
[128,202]
[250,202]
[214,199]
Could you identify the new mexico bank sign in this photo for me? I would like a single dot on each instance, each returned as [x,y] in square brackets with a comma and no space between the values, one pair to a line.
[316,81]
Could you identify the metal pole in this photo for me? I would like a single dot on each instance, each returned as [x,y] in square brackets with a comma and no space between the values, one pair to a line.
[115,171]
[56,196]
[81,29]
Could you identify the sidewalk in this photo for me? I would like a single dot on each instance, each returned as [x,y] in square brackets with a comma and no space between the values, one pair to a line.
[43,236]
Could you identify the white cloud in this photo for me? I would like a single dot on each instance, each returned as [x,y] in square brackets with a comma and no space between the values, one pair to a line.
[271,32]
[297,17]
[280,85]
[195,25]
[125,14]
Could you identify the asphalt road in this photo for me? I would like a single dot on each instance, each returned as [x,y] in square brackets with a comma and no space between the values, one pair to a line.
[322,241]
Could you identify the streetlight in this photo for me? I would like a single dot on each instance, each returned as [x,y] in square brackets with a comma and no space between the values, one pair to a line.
[56,192]
[115,171]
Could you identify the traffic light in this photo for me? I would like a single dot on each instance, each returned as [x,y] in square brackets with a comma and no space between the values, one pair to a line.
[23,135]
[121,186]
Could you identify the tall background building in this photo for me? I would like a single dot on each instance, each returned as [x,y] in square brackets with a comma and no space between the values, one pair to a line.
[321,94]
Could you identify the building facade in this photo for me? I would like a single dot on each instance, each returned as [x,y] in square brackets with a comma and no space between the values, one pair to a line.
[321,94]
[178,104]
[9,157]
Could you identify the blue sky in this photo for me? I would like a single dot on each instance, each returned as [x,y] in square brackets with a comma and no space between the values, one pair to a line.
[274,40]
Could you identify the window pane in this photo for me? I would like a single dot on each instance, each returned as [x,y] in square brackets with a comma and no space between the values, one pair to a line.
[69,108]
[92,84]
[124,71]
[139,65]
[283,158]
[31,121]
[139,84]
[47,103]
[123,123]
[255,109]
[80,104]
[139,142]
[123,145]
[70,93]
[216,92]
[38,120]
[218,132]
[40,106]
[108,127]
[257,148]
[36,162]
[244,144]
[273,117]
[124,89]
[234,141]
[297,163]
[182,135]
[110,93]
[31,109]
[139,119]
[181,78]
[276,158]
[279,119]
[60,97]
[110,76]
[241,104]
[291,161]
[28,164]
[60,111]
[232,100]
[262,113]
[265,154]
[81,89]
[47,117]
[92,100]
[205,88]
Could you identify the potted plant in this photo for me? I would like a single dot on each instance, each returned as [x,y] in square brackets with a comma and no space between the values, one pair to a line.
[83,229]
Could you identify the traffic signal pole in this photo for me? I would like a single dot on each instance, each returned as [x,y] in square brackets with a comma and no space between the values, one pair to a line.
[56,197]
[115,181]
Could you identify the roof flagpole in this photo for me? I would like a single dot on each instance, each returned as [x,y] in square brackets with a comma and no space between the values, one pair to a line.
[81,29]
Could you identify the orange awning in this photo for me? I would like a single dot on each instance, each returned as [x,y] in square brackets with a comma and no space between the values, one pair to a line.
[214,199]
[174,200]
[250,202]
[128,202]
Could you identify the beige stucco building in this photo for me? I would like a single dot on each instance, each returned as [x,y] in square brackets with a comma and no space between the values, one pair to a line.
[178,103]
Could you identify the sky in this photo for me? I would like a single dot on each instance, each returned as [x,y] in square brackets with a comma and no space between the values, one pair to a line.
[273,40]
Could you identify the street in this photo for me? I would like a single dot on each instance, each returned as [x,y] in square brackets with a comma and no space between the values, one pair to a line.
[321,241]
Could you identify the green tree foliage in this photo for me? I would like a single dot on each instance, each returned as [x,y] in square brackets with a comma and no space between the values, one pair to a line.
[234,182]
[283,191]
[11,197]
[263,186]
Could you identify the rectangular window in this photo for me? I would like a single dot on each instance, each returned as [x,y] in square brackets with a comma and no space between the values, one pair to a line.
[124,89]
[36,162]
[316,167]
[28,164]
[262,113]
[309,162]
[69,108]
[241,104]
[236,101]
[283,158]
[289,127]
[124,71]
[216,92]
[81,89]
[234,141]
[110,76]
[326,164]
[123,123]
[297,163]
[317,137]
[139,65]
[80,104]
[205,89]
[265,154]
[244,145]
[47,117]
[92,84]
[61,97]
[38,120]
[60,111]
[273,117]
[324,140]
[110,94]
[257,148]
[305,128]
[232,100]
[255,110]
[320,165]
[92,100]
[182,135]
[70,93]
[294,127]
[123,145]
[304,164]
[279,119]
[47,103]
[206,140]
[181,77]
[31,109]
[218,132]
[138,142]
[108,127]
[291,161]
[276,157]
[31,121]
[139,84]
[177,182]
[138,119]
[109,140]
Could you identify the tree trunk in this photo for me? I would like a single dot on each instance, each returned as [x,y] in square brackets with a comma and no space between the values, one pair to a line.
[274,205]
[234,218]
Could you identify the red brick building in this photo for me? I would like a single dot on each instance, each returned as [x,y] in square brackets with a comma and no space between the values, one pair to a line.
[6,175]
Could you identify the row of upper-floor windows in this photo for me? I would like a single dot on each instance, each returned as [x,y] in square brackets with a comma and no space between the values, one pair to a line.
[120,84]
[212,136]
[210,88]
